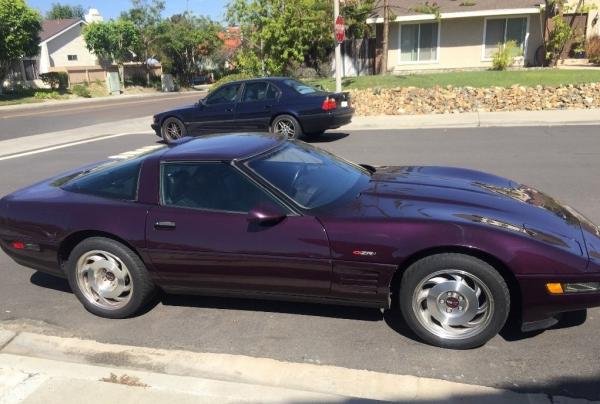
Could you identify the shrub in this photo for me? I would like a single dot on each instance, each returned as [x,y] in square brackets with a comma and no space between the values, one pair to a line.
[230,78]
[81,90]
[505,56]
[56,80]
[558,37]
[593,49]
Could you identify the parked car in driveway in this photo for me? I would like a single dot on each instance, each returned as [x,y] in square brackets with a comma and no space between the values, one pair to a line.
[259,216]
[278,104]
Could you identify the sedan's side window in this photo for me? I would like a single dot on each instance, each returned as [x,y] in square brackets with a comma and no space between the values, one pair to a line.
[259,91]
[224,95]
[210,186]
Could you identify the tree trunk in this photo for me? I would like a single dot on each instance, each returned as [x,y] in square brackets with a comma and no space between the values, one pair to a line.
[121,68]
[386,34]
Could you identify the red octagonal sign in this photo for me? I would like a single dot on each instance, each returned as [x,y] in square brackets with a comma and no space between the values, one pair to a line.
[340,29]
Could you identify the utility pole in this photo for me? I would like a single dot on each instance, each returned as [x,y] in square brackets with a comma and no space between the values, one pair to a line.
[338,50]
[386,34]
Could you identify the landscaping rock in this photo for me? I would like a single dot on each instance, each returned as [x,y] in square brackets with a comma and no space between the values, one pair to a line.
[448,99]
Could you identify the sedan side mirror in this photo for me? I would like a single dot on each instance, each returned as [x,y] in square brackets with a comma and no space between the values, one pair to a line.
[266,215]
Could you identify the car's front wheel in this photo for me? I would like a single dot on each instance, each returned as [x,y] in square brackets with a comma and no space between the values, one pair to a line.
[108,278]
[287,126]
[454,301]
[173,129]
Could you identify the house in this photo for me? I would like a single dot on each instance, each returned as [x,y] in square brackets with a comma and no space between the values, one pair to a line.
[460,34]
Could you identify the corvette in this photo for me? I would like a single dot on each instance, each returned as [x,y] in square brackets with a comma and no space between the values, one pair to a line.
[261,216]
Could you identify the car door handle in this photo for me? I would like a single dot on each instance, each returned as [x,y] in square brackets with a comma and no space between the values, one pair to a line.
[229,110]
[166,225]
[268,106]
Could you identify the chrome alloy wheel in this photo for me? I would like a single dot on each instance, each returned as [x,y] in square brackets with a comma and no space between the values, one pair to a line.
[173,130]
[453,304]
[104,280]
[285,127]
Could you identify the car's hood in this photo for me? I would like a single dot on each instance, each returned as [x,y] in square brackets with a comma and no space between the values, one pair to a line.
[460,195]
[181,108]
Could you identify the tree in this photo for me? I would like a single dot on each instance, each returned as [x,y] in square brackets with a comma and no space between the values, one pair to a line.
[279,35]
[356,13]
[60,11]
[113,41]
[186,42]
[20,27]
[146,17]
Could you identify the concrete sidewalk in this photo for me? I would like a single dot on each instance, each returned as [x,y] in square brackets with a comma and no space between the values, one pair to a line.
[37,368]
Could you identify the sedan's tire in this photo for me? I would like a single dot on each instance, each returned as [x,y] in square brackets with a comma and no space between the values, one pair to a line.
[108,278]
[454,300]
[172,129]
[287,126]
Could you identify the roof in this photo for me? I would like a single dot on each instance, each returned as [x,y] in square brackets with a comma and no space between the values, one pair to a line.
[223,147]
[51,28]
[407,7]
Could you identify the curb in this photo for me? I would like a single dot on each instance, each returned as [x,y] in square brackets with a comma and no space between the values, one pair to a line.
[67,358]
[121,97]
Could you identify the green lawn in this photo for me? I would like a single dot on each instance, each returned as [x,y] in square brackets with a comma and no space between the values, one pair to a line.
[547,77]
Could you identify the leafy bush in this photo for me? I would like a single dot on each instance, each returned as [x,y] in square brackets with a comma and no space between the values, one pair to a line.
[505,56]
[136,80]
[56,80]
[81,90]
[229,79]
[593,49]
[47,95]
[559,35]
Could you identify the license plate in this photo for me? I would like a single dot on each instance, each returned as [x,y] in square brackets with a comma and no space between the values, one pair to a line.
[344,104]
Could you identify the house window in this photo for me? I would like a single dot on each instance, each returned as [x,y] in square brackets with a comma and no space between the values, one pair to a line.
[500,31]
[72,57]
[419,42]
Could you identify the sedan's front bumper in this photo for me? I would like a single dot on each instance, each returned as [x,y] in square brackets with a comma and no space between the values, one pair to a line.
[156,128]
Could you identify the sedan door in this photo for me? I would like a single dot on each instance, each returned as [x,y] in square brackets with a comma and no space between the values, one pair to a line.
[200,238]
[254,111]
[217,112]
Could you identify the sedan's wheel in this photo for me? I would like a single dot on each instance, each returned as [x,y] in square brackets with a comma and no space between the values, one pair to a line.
[287,126]
[173,129]
[108,278]
[454,300]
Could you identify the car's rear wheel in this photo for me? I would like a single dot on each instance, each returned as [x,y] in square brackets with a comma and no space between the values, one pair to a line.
[172,129]
[454,300]
[108,278]
[287,126]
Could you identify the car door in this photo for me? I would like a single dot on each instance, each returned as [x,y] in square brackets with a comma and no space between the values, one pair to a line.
[199,238]
[217,112]
[254,111]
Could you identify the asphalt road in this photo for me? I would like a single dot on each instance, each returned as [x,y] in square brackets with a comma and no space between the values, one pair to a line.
[563,161]
[56,117]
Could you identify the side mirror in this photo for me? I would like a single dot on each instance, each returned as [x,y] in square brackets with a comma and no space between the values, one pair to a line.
[266,215]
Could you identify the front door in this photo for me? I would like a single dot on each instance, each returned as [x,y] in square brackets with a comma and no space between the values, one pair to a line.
[217,112]
[253,112]
[200,237]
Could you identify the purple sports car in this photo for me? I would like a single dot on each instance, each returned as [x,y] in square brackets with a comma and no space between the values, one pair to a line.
[257,215]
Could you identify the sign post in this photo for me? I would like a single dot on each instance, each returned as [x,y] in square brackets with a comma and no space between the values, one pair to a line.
[340,36]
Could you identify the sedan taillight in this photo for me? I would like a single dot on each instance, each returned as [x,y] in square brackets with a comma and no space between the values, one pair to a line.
[329,104]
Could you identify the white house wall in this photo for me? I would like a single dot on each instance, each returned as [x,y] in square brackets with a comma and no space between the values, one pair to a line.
[70,42]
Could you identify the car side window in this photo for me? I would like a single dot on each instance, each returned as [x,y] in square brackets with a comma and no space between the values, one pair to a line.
[224,95]
[210,186]
[118,181]
[259,91]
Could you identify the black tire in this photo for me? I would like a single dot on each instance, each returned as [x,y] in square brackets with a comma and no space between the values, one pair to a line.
[416,277]
[279,123]
[172,129]
[142,289]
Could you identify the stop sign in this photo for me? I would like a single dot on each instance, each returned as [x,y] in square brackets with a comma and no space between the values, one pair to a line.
[340,29]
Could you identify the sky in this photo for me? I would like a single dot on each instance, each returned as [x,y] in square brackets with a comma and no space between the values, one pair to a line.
[215,9]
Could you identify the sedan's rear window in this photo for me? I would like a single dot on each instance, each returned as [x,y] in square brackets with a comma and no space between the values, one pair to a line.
[300,87]
[115,181]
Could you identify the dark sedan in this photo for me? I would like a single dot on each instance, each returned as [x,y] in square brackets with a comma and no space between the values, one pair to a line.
[277,104]
[256,215]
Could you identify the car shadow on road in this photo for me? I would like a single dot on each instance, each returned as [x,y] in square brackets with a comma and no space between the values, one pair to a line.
[325,137]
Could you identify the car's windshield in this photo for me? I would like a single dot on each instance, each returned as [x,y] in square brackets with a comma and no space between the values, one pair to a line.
[311,177]
[300,87]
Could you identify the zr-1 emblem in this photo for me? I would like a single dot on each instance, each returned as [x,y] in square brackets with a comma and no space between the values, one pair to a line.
[364,253]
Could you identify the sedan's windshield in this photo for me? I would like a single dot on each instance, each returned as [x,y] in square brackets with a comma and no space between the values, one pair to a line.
[312,178]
